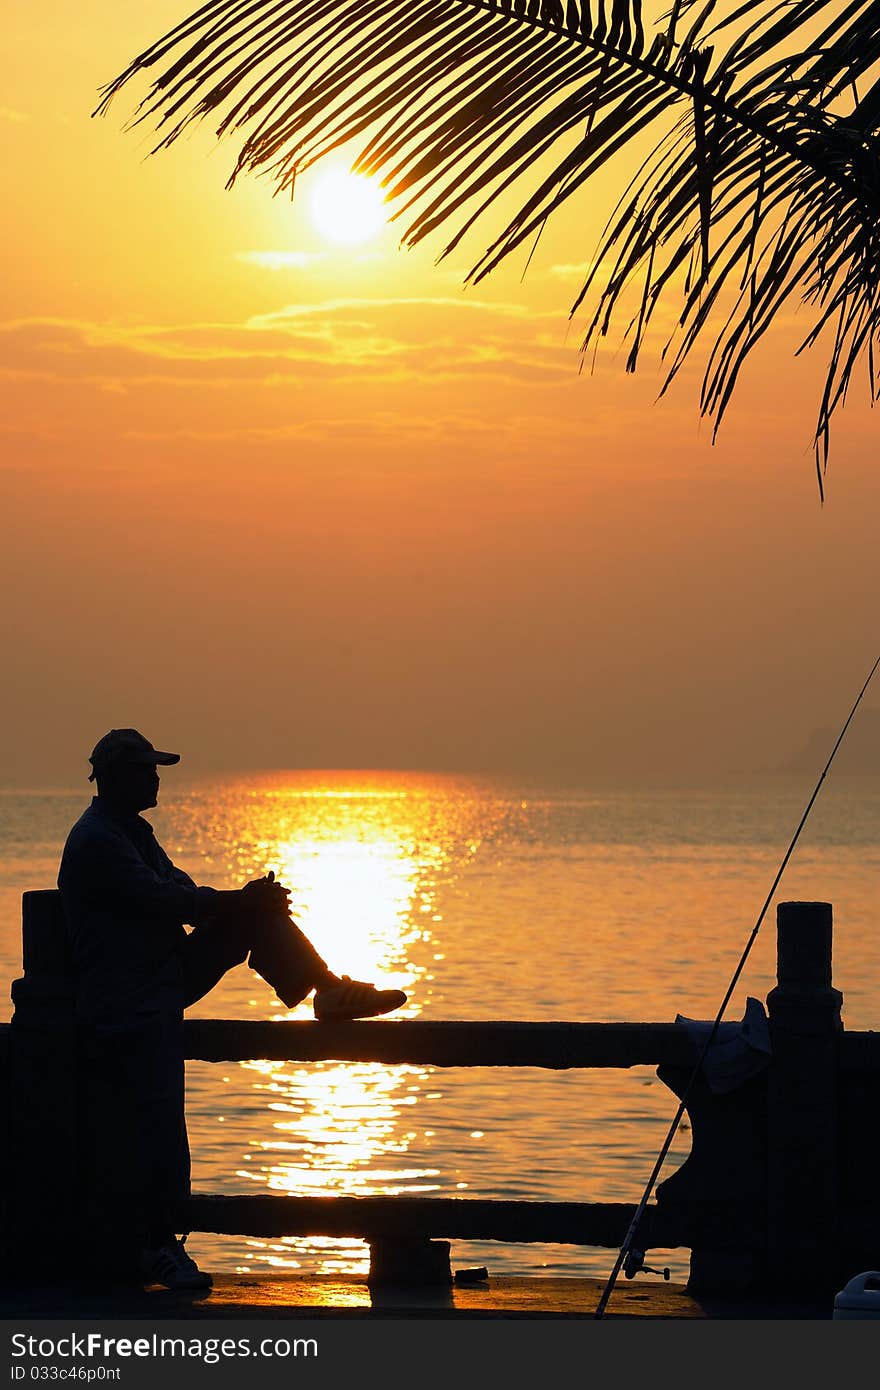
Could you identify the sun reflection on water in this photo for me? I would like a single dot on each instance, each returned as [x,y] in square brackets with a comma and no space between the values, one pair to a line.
[338,1129]
[353,898]
[361,876]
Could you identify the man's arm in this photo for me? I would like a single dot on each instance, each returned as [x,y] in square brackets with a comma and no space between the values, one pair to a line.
[107,870]
[261,897]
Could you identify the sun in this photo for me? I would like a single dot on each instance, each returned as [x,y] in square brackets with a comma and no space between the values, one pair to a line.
[348,208]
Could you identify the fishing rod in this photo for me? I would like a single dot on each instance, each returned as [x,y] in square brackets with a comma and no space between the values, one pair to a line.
[629,1254]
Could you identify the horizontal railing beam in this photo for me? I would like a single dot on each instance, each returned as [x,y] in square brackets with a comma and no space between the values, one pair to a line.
[464,1044]
[406,1218]
[477,1044]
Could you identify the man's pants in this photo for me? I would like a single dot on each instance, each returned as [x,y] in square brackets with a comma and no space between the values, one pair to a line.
[274,947]
[134,1152]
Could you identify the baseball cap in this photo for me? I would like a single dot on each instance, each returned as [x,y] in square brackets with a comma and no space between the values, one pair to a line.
[126,746]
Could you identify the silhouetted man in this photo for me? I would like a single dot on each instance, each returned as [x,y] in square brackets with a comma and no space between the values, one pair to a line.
[136,970]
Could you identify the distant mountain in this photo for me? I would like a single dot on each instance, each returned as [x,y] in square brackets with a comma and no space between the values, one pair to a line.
[858,755]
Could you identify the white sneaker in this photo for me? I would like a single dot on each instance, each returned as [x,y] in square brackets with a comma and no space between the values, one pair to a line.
[355,999]
[172,1266]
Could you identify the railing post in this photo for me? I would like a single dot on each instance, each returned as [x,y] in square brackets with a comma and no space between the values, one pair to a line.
[802,1114]
[409,1262]
[42,1168]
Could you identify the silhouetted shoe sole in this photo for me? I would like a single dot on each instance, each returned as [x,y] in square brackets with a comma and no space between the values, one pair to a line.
[354,999]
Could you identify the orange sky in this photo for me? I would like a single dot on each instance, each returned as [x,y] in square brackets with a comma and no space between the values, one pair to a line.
[280,503]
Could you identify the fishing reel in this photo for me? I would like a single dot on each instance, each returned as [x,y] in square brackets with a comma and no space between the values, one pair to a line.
[635,1264]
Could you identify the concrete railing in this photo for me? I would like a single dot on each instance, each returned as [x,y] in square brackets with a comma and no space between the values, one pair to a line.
[779,1189]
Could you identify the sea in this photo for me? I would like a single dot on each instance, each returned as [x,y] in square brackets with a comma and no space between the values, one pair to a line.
[483,898]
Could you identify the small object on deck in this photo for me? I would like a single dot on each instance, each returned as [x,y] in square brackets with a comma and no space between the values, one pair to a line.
[407,1262]
[859,1297]
[478,1274]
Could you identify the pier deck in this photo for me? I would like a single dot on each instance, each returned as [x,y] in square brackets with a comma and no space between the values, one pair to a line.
[344,1297]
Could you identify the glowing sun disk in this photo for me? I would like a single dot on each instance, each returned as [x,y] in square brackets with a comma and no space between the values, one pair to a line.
[348,208]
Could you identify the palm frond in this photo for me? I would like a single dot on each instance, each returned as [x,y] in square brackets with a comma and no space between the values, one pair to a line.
[762,185]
